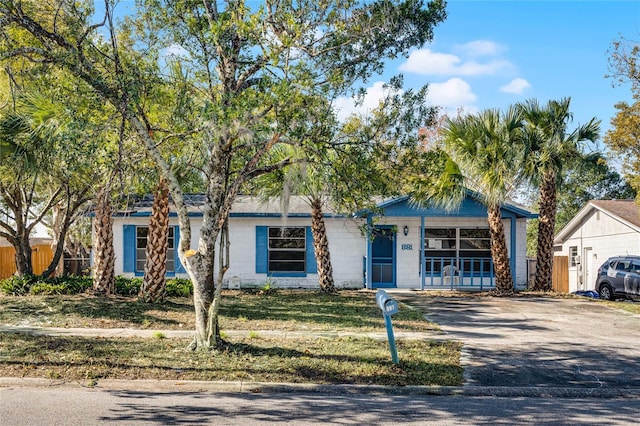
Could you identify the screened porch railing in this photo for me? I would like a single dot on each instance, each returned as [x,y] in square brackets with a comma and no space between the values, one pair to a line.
[458,272]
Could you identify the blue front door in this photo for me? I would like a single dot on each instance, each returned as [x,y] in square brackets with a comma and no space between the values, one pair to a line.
[383,257]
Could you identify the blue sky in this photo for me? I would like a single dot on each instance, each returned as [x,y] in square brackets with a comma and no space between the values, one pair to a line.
[491,54]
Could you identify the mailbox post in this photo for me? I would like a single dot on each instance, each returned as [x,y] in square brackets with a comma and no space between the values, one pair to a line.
[389,307]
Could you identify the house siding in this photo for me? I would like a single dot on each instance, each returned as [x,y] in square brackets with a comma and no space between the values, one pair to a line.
[598,237]
[348,247]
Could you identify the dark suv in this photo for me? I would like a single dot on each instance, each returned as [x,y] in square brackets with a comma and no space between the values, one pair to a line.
[619,276]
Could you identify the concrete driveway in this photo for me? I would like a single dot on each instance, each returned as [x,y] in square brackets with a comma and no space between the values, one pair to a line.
[539,342]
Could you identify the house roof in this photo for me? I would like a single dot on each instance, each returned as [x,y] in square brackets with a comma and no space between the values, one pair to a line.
[625,211]
[470,207]
[250,206]
[244,205]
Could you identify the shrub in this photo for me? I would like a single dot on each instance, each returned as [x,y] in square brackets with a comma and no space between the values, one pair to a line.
[48,289]
[179,287]
[29,284]
[17,286]
[72,284]
[128,286]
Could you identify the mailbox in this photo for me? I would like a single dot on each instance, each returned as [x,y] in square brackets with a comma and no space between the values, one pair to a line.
[388,306]
[386,303]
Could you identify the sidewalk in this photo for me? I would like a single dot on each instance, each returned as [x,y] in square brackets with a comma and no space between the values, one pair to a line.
[169,334]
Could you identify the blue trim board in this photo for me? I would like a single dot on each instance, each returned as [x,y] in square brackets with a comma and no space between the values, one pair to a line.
[129,248]
[311,264]
[262,251]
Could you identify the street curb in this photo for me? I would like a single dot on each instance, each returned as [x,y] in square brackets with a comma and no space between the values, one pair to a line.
[193,386]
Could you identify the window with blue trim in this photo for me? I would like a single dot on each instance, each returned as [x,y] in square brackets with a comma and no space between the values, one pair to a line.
[287,250]
[141,248]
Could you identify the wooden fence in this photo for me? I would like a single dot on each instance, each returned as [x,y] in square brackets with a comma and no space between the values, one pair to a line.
[560,280]
[41,257]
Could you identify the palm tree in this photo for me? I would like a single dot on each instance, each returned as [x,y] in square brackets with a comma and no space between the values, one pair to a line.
[153,287]
[548,148]
[104,255]
[487,148]
[309,179]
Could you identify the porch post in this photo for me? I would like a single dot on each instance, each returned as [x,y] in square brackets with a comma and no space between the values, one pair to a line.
[421,248]
[513,239]
[369,251]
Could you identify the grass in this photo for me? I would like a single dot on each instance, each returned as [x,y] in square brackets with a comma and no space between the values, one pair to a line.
[250,356]
[342,360]
[624,305]
[282,310]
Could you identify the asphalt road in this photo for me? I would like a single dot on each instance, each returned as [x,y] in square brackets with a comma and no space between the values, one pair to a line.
[540,342]
[70,406]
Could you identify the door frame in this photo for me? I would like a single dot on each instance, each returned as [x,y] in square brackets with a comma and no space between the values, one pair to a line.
[394,257]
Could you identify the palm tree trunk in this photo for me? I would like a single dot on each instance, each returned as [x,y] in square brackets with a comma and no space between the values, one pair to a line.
[154,286]
[504,280]
[321,248]
[104,255]
[546,230]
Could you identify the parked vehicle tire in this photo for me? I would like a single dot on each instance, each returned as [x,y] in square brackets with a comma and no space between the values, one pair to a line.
[606,292]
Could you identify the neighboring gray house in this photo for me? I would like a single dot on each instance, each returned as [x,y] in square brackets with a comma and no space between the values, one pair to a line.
[414,248]
[601,229]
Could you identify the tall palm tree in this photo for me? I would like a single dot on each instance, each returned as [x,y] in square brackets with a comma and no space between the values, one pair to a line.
[487,148]
[104,254]
[153,287]
[549,147]
[308,178]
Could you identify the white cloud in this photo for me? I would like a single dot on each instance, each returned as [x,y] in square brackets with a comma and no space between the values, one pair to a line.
[345,106]
[516,86]
[480,48]
[453,93]
[426,62]
[175,50]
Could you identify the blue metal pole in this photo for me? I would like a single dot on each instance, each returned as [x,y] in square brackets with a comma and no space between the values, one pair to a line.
[392,339]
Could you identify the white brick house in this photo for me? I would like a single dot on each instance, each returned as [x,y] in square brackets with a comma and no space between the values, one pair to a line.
[265,246]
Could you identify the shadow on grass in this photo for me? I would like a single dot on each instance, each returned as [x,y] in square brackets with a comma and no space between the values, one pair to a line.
[120,309]
[311,309]
[363,362]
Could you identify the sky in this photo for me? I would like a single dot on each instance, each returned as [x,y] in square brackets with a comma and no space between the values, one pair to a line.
[492,54]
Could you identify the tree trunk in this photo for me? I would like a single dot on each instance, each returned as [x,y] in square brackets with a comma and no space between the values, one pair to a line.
[19,232]
[321,248]
[56,225]
[504,280]
[201,273]
[546,231]
[104,256]
[24,266]
[154,286]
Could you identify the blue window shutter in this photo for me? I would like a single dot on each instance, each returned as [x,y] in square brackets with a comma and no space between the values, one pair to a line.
[262,251]
[312,266]
[129,248]
[176,244]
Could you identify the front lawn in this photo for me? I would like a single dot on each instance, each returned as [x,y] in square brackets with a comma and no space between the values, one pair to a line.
[249,356]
